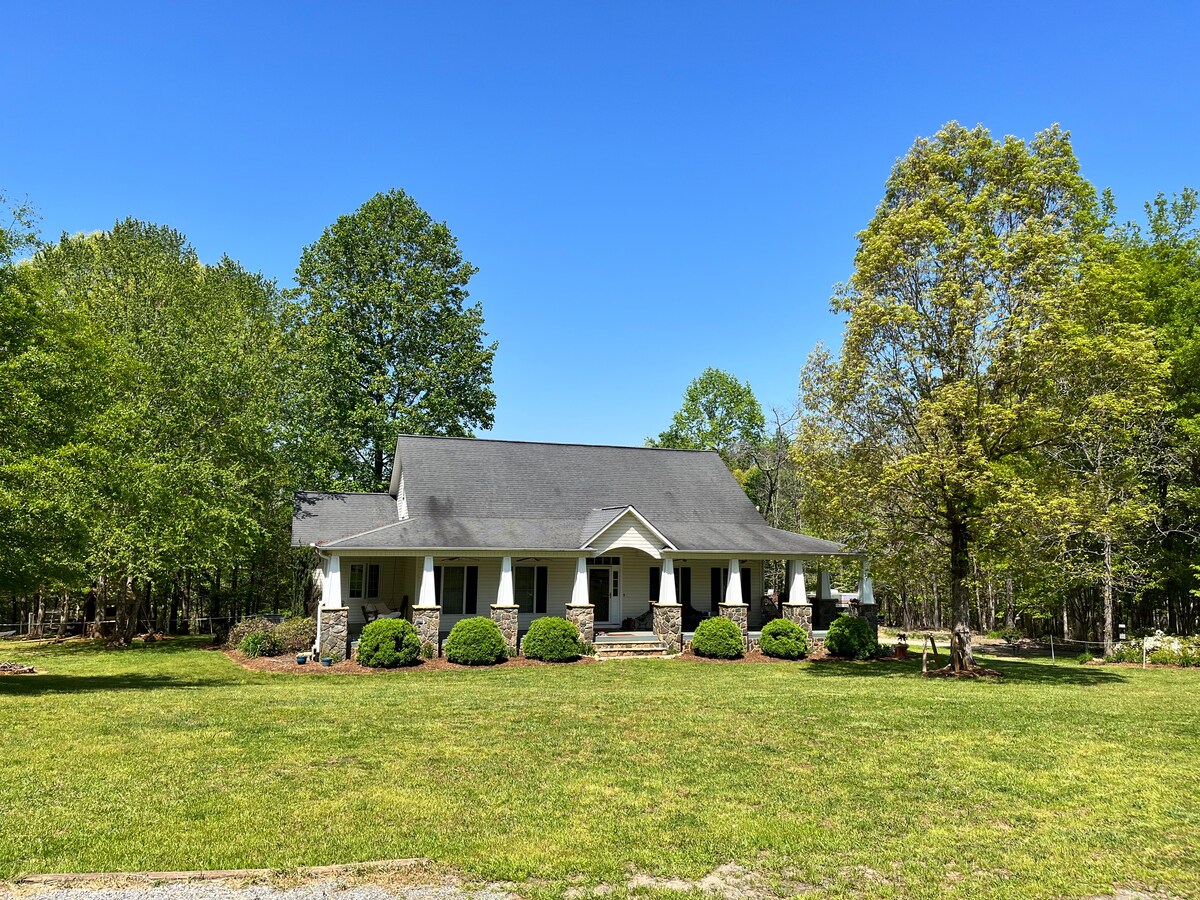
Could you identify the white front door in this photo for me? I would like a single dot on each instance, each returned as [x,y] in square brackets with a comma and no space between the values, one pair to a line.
[604,592]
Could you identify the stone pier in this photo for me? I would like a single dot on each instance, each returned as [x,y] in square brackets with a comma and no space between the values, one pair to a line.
[668,625]
[427,620]
[802,615]
[505,617]
[583,618]
[739,613]
[334,639]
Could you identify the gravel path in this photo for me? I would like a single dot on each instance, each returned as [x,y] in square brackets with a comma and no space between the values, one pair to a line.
[327,890]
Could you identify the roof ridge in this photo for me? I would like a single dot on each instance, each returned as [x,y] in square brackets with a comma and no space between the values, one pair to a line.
[477,440]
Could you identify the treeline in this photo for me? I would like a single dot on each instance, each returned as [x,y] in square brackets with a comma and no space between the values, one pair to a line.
[1011,427]
[161,411]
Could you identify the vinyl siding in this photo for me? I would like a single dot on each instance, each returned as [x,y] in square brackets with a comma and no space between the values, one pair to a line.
[627,531]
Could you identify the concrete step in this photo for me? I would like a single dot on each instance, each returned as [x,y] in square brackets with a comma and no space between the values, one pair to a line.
[630,649]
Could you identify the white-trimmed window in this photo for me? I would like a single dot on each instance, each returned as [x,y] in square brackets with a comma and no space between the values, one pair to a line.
[525,587]
[364,581]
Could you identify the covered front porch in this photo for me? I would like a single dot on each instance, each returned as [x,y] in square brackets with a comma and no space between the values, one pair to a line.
[620,596]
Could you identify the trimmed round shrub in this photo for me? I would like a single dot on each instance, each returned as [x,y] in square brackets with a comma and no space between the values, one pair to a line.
[552,639]
[851,637]
[784,639]
[259,643]
[297,634]
[718,638]
[476,641]
[388,644]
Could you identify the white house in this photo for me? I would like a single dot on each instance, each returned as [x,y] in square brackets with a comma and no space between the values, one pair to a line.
[633,544]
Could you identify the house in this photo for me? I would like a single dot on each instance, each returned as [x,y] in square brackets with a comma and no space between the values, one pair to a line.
[629,543]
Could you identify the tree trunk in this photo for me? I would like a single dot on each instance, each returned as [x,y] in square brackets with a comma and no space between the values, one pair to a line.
[1108,595]
[39,624]
[960,596]
[63,607]
[378,461]
[1010,613]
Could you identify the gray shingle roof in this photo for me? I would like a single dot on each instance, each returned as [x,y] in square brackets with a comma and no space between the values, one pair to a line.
[465,493]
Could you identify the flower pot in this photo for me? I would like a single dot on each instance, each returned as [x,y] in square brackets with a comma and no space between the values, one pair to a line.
[901,651]
[301,658]
[327,661]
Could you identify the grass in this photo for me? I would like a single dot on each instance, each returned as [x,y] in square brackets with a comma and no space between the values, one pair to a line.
[860,779]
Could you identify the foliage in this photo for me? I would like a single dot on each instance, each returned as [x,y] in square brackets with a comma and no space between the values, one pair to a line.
[1083,658]
[718,413]
[247,626]
[260,643]
[384,342]
[428,650]
[718,638]
[296,634]
[476,641]
[1160,650]
[552,639]
[784,639]
[1010,634]
[851,637]
[388,643]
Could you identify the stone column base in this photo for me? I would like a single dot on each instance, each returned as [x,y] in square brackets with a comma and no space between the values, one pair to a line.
[334,639]
[427,620]
[583,618]
[802,615]
[506,618]
[668,625]
[740,614]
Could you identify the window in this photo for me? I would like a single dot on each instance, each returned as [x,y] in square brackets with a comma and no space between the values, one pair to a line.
[453,594]
[364,581]
[530,588]
[525,587]
[604,561]
[683,584]
[457,589]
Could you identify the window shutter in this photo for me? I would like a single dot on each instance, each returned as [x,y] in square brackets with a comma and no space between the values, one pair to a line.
[716,590]
[655,583]
[541,589]
[472,590]
[373,581]
[437,585]
[746,573]
[685,585]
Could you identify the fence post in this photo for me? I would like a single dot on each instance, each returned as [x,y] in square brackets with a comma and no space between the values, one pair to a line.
[1052,646]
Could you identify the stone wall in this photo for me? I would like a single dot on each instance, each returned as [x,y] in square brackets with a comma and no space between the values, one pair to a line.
[334,639]
[583,618]
[668,625]
[427,620]
[505,618]
[739,613]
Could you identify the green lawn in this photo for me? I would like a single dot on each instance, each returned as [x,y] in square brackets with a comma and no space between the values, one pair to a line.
[861,779]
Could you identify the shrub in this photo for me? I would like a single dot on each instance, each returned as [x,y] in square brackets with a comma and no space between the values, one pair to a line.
[476,641]
[552,639]
[851,637]
[389,643]
[297,634]
[427,650]
[1011,634]
[718,638]
[784,639]
[1083,658]
[239,630]
[259,643]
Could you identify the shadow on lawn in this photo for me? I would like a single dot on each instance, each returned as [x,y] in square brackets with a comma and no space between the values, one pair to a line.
[1013,672]
[33,685]
[73,646]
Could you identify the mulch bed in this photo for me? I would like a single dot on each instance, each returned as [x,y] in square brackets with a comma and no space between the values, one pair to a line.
[287,665]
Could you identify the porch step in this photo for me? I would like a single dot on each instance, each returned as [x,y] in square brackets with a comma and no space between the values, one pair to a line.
[629,649]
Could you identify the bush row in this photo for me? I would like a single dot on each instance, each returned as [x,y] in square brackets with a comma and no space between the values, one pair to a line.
[475,641]
[1160,649]
[294,635]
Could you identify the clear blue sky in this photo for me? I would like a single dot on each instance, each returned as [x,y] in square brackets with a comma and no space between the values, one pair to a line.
[647,188]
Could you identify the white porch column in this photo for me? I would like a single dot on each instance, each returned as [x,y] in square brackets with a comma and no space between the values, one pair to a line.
[797,589]
[733,590]
[504,597]
[579,590]
[666,584]
[331,585]
[823,590]
[428,596]
[866,590]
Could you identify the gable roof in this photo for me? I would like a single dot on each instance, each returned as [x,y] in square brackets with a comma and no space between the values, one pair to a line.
[467,493]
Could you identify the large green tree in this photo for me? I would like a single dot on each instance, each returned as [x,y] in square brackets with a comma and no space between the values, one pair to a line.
[965,281]
[385,342]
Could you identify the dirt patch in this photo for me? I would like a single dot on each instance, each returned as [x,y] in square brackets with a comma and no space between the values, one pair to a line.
[729,881]
[287,665]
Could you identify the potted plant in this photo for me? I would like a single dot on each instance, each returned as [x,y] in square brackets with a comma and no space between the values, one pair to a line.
[301,658]
[327,661]
[901,646]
